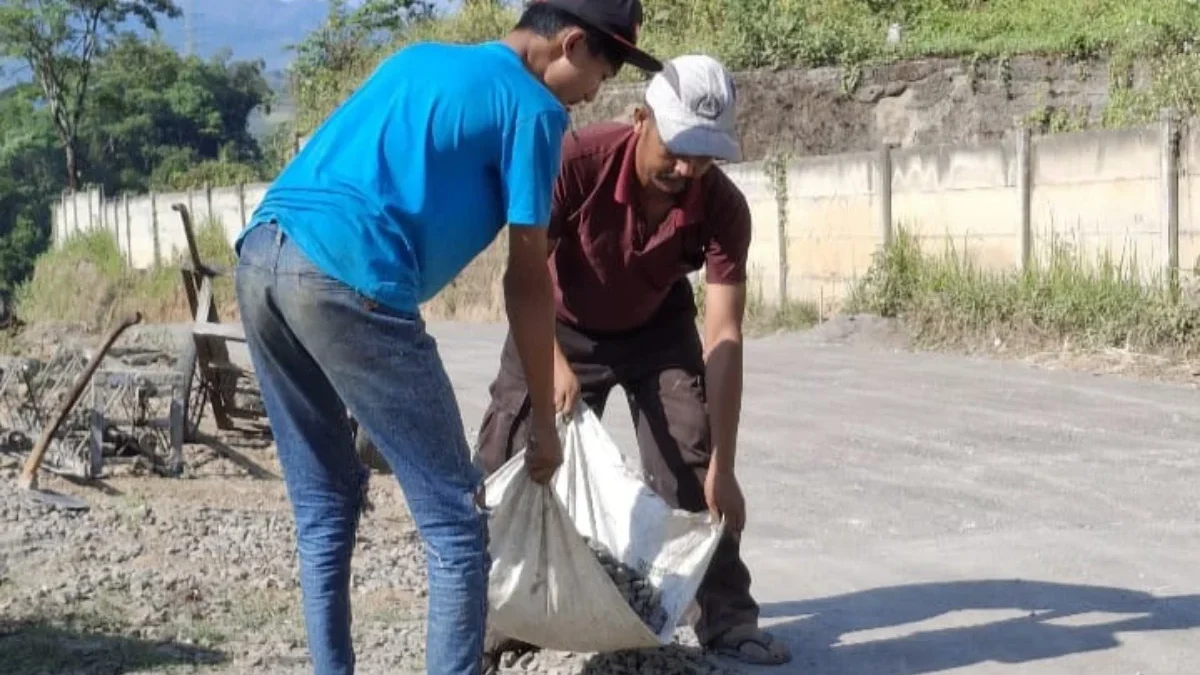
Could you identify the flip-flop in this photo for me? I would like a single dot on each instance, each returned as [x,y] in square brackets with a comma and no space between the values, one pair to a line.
[752,645]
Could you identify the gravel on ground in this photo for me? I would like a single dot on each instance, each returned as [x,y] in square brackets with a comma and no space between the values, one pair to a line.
[200,575]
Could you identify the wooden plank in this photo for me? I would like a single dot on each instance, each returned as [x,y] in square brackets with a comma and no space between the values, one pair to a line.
[204,355]
[224,331]
[177,426]
[226,385]
[215,271]
[228,366]
[189,289]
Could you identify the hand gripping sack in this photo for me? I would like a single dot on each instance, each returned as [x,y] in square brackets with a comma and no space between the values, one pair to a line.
[547,586]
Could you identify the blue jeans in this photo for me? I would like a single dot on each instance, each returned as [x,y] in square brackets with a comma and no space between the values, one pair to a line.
[319,348]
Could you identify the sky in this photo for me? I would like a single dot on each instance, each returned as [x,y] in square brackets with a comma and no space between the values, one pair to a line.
[251,28]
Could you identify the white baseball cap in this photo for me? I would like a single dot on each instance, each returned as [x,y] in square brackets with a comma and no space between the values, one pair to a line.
[694,99]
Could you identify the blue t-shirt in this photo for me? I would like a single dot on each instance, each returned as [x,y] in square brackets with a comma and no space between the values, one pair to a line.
[419,170]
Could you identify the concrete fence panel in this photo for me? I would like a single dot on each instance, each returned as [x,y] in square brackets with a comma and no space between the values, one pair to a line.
[1100,193]
[832,206]
[962,197]
[818,221]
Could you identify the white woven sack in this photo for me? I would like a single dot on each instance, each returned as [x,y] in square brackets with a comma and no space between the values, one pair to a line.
[547,588]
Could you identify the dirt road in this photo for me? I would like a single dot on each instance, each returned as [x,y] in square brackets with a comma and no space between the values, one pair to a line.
[909,514]
[921,513]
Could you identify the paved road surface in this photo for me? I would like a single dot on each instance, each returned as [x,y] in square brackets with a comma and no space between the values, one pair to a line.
[931,514]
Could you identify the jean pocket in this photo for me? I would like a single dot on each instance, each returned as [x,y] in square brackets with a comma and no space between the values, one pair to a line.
[258,246]
[375,307]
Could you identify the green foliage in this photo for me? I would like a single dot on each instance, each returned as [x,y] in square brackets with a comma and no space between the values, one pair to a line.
[152,118]
[333,60]
[1174,83]
[215,173]
[159,116]
[87,281]
[31,170]
[949,298]
[748,34]
[60,40]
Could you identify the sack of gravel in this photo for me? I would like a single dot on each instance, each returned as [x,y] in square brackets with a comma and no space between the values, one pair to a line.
[595,561]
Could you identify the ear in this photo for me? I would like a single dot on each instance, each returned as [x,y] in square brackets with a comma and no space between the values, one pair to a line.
[573,39]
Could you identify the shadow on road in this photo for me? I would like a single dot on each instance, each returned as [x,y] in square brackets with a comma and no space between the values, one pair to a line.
[37,648]
[970,622]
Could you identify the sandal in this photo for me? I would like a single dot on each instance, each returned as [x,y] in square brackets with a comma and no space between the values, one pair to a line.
[752,645]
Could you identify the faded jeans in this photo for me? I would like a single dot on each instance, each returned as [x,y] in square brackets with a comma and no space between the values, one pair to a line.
[319,348]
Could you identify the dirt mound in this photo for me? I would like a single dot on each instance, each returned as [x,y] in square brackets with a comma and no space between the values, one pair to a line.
[860,330]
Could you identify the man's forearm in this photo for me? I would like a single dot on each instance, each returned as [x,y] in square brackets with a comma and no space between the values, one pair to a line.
[529,303]
[723,389]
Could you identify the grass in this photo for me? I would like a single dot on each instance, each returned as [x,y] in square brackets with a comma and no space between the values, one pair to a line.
[761,317]
[947,300]
[86,282]
[751,34]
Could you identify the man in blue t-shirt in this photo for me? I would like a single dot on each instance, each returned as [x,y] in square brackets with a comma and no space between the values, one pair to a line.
[408,181]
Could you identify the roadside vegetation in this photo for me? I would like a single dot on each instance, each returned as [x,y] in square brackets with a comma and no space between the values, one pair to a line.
[86,102]
[146,117]
[87,282]
[850,34]
[946,299]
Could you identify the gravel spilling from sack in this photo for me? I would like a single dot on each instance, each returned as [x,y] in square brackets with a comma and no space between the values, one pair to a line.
[637,590]
[160,584]
[668,660]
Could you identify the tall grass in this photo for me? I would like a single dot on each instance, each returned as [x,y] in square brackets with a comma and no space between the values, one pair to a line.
[946,298]
[87,282]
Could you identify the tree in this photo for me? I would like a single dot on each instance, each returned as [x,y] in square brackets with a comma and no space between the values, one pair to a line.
[333,59]
[60,40]
[30,177]
[158,114]
[390,15]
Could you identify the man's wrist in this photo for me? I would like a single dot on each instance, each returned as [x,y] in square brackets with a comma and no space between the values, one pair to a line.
[543,419]
[722,462]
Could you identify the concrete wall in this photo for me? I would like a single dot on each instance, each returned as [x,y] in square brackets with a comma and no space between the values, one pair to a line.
[819,220]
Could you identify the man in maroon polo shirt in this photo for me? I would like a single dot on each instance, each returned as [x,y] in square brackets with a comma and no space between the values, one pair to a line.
[636,209]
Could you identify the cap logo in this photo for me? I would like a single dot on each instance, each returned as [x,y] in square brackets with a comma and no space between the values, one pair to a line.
[708,106]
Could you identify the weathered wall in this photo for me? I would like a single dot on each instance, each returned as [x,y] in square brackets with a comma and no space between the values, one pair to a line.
[819,220]
[833,110]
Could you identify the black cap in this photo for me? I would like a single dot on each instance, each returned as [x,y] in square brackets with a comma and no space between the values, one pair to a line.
[621,20]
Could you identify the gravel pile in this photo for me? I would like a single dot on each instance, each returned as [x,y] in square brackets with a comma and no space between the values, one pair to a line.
[637,590]
[150,584]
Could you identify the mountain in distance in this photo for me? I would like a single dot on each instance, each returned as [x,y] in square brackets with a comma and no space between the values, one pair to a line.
[250,29]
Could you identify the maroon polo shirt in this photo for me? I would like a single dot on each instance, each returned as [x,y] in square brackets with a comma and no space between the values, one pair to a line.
[612,270]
